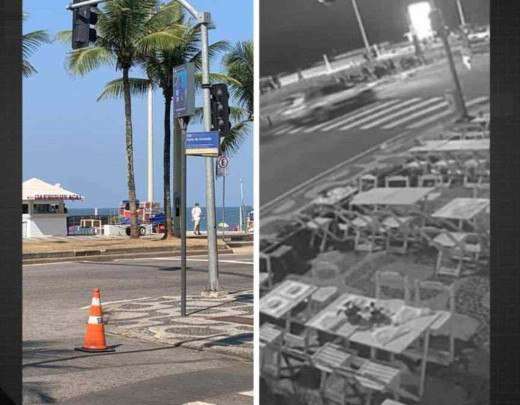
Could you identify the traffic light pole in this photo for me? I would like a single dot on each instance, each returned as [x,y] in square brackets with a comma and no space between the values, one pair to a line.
[213,282]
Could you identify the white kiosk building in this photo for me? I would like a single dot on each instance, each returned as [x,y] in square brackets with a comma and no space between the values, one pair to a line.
[43,209]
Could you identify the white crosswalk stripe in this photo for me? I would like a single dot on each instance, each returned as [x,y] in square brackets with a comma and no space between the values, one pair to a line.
[384,114]
[436,117]
[282,130]
[418,114]
[247,393]
[359,114]
[368,119]
[401,112]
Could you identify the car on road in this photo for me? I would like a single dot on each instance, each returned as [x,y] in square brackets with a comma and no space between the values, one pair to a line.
[479,34]
[324,102]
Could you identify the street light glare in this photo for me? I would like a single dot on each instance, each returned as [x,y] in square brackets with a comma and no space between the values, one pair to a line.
[420,19]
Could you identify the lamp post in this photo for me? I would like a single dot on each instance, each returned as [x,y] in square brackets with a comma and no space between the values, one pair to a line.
[362,29]
[461,13]
[439,26]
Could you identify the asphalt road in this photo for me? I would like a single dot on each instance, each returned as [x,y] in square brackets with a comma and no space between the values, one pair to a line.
[292,154]
[139,372]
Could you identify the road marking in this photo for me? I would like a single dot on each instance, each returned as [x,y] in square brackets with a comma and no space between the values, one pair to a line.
[293,131]
[327,172]
[443,114]
[402,112]
[360,114]
[118,302]
[335,121]
[201,260]
[380,114]
[417,114]
[282,130]
[247,393]
[198,403]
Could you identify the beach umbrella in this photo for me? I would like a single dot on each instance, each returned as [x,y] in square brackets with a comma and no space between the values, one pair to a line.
[223,225]
[441,163]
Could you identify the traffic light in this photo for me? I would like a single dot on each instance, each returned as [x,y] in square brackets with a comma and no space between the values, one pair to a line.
[84,20]
[437,21]
[220,109]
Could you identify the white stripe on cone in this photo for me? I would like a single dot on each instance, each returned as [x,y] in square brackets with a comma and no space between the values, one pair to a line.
[95,320]
[96,301]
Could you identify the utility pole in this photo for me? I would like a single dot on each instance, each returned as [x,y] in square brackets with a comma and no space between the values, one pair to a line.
[205,20]
[461,13]
[440,27]
[362,29]
[150,143]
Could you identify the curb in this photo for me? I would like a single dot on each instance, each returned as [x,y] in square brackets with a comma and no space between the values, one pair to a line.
[110,255]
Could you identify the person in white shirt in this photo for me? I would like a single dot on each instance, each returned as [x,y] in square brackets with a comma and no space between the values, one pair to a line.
[195,216]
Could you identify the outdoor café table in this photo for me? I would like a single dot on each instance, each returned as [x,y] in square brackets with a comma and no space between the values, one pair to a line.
[280,301]
[462,209]
[333,320]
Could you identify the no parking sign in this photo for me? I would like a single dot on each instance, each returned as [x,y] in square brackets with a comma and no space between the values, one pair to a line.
[222,164]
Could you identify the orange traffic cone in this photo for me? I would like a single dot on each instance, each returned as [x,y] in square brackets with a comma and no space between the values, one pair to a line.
[94,341]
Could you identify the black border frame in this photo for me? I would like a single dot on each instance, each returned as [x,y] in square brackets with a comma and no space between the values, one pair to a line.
[505,204]
[10,201]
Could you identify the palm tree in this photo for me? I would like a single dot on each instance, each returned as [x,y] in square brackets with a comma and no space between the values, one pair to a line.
[159,66]
[124,36]
[239,75]
[30,43]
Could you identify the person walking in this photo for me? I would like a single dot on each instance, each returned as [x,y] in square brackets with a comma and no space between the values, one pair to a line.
[196,212]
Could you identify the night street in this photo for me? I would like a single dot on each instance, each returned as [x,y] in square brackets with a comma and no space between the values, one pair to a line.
[56,298]
[291,155]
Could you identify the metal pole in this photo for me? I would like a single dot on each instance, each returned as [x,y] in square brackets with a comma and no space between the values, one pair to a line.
[150,143]
[241,205]
[223,206]
[213,281]
[362,29]
[458,88]
[183,122]
[461,13]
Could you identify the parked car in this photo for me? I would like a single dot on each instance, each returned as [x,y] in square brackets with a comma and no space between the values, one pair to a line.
[479,34]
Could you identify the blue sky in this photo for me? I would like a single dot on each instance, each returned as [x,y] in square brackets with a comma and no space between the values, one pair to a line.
[70,138]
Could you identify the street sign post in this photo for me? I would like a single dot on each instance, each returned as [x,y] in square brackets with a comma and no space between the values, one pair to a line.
[202,144]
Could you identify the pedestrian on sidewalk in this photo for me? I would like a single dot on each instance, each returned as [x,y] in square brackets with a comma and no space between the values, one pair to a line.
[196,212]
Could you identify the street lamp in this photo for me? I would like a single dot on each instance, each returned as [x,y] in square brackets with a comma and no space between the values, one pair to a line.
[440,27]
[461,13]
[360,23]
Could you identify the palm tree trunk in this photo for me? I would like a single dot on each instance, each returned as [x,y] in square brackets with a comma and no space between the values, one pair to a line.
[130,155]
[167,164]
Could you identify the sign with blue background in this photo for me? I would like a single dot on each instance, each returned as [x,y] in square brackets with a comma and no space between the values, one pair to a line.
[202,143]
[184,91]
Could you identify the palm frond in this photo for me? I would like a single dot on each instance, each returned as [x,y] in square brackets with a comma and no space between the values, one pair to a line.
[85,60]
[65,37]
[30,43]
[232,141]
[114,88]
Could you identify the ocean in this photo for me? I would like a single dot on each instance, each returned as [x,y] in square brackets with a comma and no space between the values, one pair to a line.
[232,215]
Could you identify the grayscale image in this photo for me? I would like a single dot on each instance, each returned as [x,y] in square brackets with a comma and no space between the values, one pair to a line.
[374,202]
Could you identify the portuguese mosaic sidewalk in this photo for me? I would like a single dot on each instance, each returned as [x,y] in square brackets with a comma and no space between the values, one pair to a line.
[224,324]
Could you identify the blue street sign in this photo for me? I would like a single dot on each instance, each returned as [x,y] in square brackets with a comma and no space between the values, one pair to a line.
[202,143]
[184,91]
